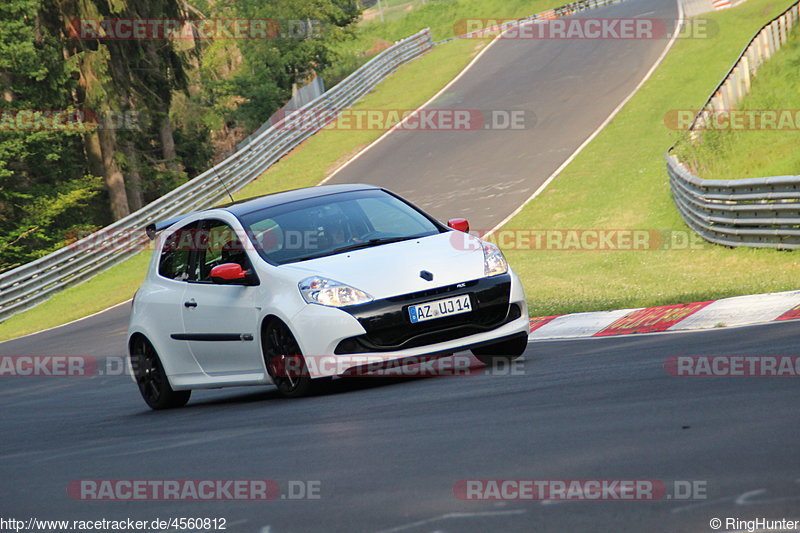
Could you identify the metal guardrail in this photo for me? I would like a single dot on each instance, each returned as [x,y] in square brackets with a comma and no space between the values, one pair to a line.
[753,212]
[30,284]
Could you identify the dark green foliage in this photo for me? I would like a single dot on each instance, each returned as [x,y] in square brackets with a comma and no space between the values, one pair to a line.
[213,92]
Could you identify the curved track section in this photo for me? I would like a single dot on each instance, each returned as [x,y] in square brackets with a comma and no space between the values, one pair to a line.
[567,88]
[387,453]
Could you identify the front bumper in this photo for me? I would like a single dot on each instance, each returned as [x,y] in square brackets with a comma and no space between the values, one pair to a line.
[335,340]
[388,327]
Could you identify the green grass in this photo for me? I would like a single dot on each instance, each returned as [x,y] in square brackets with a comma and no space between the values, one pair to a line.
[307,165]
[751,153]
[392,9]
[619,181]
[108,288]
[408,88]
[445,18]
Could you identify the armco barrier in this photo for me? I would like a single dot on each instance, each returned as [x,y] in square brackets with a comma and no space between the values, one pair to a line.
[754,212]
[32,283]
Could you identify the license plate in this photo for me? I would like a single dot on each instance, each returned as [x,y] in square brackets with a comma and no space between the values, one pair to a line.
[439,308]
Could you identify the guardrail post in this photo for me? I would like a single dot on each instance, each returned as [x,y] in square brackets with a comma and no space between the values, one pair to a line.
[770,42]
[746,73]
[726,96]
[744,80]
[763,49]
[784,36]
[30,284]
[25,286]
[776,35]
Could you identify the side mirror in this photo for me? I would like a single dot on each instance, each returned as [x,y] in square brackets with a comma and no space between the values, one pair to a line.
[459,224]
[232,274]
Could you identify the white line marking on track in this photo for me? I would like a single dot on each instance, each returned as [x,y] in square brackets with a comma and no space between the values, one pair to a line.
[743,499]
[417,110]
[600,128]
[359,154]
[70,322]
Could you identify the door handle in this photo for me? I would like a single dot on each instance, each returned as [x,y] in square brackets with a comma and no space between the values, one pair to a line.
[190,303]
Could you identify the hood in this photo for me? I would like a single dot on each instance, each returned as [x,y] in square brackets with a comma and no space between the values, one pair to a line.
[393,269]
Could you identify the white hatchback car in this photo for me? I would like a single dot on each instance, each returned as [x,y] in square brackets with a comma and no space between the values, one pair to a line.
[248,293]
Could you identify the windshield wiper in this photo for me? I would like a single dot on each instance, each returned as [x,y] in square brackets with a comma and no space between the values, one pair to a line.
[355,246]
[370,243]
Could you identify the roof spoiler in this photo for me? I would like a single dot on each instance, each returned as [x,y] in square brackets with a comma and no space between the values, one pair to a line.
[153,228]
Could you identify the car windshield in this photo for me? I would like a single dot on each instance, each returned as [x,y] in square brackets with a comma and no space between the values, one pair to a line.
[332,224]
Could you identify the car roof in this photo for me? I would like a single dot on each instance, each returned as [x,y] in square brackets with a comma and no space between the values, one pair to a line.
[249,205]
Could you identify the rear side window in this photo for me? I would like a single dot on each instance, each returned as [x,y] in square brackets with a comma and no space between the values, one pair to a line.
[176,254]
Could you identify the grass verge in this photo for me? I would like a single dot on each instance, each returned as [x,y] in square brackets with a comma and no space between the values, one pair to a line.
[309,163]
[108,288]
[408,88]
[620,182]
[445,18]
[752,153]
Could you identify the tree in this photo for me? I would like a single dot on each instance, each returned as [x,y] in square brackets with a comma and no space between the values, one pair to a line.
[46,191]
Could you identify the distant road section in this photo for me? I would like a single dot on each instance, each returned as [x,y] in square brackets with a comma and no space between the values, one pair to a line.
[559,90]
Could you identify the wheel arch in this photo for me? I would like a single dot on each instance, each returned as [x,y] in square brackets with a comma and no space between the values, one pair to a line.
[136,335]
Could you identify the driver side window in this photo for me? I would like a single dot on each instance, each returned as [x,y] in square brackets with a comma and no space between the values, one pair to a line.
[220,245]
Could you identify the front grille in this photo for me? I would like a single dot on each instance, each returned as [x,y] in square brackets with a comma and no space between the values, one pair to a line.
[431,292]
[389,328]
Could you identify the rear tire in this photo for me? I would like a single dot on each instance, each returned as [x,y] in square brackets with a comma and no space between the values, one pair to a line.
[501,352]
[152,379]
[285,363]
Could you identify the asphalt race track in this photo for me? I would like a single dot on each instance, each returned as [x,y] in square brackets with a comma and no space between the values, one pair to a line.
[387,453]
[566,88]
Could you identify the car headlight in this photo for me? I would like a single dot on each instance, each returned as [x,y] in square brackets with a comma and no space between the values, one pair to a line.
[323,291]
[493,261]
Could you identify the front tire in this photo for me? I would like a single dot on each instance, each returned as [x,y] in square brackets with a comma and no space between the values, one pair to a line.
[152,379]
[501,352]
[285,363]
